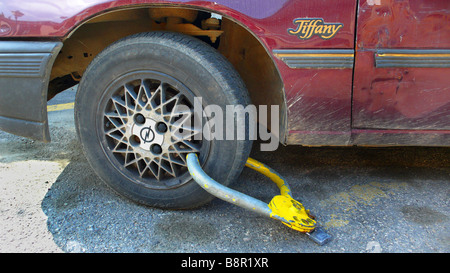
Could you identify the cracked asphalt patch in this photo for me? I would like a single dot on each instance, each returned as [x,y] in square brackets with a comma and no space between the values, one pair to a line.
[369,199]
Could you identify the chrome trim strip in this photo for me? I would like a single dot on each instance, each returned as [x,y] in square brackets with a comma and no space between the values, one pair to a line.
[439,58]
[316,58]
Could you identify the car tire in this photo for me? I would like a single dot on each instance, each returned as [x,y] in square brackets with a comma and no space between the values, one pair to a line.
[127,125]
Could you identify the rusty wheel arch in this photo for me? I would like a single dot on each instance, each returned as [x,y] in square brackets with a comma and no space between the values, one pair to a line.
[237,43]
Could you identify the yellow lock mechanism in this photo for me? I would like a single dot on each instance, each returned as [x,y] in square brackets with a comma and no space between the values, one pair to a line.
[293,212]
[282,207]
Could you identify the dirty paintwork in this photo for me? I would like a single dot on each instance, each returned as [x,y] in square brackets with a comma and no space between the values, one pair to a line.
[267,18]
[341,101]
[404,93]
[400,98]
[403,24]
[318,101]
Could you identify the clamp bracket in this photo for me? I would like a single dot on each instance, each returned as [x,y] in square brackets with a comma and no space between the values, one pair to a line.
[282,207]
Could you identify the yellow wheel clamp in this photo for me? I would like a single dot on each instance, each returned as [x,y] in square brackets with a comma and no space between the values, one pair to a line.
[282,207]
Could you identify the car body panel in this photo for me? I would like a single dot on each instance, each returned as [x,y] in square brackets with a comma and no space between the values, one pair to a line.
[268,19]
[348,98]
[410,88]
[24,75]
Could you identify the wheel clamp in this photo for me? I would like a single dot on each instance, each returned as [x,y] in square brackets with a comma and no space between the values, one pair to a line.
[282,207]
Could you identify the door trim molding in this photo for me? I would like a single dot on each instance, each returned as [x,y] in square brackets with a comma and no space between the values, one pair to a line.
[316,59]
[439,58]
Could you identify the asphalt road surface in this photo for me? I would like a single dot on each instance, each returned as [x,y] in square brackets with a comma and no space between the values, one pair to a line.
[369,199]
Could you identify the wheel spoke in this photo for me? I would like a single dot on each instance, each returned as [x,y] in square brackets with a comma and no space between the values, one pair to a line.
[146,167]
[121,141]
[157,170]
[169,114]
[119,105]
[167,166]
[158,98]
[133,161]
[130,100]
[144,95]
[176,158]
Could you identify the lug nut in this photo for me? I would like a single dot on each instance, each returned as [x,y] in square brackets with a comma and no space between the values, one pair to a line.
[139,119]
[156,149]
[161,127]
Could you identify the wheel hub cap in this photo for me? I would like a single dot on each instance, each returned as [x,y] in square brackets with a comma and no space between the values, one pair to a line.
[146,135]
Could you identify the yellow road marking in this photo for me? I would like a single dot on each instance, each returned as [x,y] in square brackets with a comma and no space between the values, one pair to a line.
[59,107]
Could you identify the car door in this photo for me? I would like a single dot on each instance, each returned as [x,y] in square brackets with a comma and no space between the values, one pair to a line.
[402,60]
[313,45]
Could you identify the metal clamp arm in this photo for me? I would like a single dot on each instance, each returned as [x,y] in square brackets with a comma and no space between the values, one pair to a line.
[282,207]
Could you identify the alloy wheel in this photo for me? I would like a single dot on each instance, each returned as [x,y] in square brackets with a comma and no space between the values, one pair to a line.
[148,126]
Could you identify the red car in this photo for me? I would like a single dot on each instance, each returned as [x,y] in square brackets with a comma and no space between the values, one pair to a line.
[347,72]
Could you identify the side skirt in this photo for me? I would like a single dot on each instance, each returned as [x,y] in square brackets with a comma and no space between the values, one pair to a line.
[25,68]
